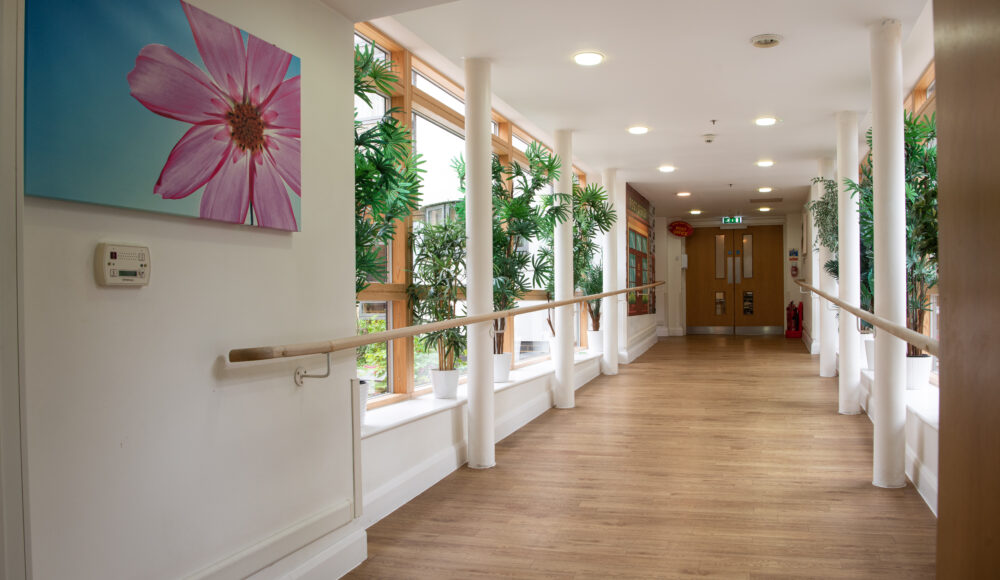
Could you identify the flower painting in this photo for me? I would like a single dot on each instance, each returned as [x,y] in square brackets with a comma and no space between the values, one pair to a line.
[178,112]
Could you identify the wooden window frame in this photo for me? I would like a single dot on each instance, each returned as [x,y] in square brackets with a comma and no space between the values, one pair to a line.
[409,100]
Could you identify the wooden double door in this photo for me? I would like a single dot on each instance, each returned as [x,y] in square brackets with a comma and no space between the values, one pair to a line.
[735,281]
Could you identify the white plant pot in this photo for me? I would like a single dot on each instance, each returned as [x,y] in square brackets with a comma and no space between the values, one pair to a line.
[501,367]
[445,384]
[918,371]
[869,344]
[595,341]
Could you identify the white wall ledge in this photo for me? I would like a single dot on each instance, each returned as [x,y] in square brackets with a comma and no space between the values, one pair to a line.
[396,415]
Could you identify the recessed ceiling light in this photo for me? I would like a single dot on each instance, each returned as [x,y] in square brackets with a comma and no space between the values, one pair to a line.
[766,40]
[764,189]
[765,163]
[667,168]
[638,130]
[765,121]
[695,212]
[683,194]
[588,58]
[764,209]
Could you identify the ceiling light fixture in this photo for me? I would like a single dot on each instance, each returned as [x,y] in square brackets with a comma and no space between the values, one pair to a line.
[765,121]
[667,169]
[588,58]
[765,163]
[766,40]
[695,212]
[764,189]
[638,130]
[683,194]
[764,209]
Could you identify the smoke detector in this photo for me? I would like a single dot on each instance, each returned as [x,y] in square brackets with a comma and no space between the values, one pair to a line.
[766,40]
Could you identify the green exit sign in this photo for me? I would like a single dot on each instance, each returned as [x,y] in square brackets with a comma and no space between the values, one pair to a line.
[732,219]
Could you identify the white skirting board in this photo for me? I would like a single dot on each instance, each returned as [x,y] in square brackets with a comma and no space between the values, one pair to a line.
[638,345]
[270,550]
[811,345]
[669,331]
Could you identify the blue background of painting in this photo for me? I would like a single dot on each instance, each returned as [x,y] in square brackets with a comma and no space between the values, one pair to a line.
[86,138]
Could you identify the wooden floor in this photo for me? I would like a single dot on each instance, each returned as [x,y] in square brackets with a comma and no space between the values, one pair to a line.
[712,457]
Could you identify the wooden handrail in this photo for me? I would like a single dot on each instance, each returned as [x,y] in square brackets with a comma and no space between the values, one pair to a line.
[238,355]
[921,341]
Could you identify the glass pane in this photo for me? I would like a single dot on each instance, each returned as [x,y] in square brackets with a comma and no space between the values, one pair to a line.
[373,360]
[748,255]
[369,114]
[447,99]
[438,148]
[720,256]
[385,253]
[519,144]
[494,127]
[532,332]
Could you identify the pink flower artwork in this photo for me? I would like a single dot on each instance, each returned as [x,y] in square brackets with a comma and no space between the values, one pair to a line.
[244,145]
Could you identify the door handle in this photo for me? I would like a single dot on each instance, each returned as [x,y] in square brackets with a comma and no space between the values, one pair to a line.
[729,270]
[739,269]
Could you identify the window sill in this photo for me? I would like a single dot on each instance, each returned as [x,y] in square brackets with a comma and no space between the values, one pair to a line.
[924,403]
[389,417]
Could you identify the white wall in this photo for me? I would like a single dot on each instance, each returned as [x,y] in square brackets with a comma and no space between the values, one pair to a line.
[793,241]
[669,252]
[147,458]
[809,260]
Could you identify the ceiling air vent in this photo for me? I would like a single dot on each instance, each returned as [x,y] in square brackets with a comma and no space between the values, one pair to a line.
[766,40]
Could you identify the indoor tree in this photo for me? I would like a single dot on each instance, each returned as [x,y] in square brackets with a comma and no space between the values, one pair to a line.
[386,171]
[593,214]
[592,282]
[438,285]
[920,160]
[518,215]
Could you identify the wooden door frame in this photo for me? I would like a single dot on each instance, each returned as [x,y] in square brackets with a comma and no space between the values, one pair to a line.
[13,505]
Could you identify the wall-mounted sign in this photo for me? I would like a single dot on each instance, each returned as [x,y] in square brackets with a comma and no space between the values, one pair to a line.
[680,229]
[732,219]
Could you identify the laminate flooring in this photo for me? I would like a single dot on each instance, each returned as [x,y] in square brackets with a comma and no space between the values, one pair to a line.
[708,457]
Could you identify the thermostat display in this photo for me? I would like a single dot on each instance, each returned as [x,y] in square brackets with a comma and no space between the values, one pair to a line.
[122,265]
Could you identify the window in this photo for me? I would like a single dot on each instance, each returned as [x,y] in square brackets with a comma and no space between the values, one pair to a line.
[374,360]
[438,147]
[434,90]
[638,272]
[432,107]
[519,144]
[532,333]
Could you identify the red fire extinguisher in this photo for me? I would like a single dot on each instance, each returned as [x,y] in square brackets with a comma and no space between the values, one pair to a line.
[794,317]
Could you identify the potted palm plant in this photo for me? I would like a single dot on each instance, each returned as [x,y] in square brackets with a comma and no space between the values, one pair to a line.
[386,171]
[517,218]
[920,148]
[593,215]
[592,282]
[434,295]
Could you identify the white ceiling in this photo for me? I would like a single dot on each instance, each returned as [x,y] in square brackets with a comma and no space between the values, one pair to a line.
[675,65]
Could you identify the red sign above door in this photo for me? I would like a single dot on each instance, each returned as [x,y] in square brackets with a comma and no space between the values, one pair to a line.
[680,229]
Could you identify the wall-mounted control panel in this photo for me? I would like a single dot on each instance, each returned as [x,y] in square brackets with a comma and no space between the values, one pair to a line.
[122,265]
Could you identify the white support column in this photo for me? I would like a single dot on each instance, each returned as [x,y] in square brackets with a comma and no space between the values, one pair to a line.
[888,178]
[479,259]
[849,281]
[563,391]
[609,306]
[828,315]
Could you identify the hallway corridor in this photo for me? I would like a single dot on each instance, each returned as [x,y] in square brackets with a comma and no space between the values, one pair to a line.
[718,457]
